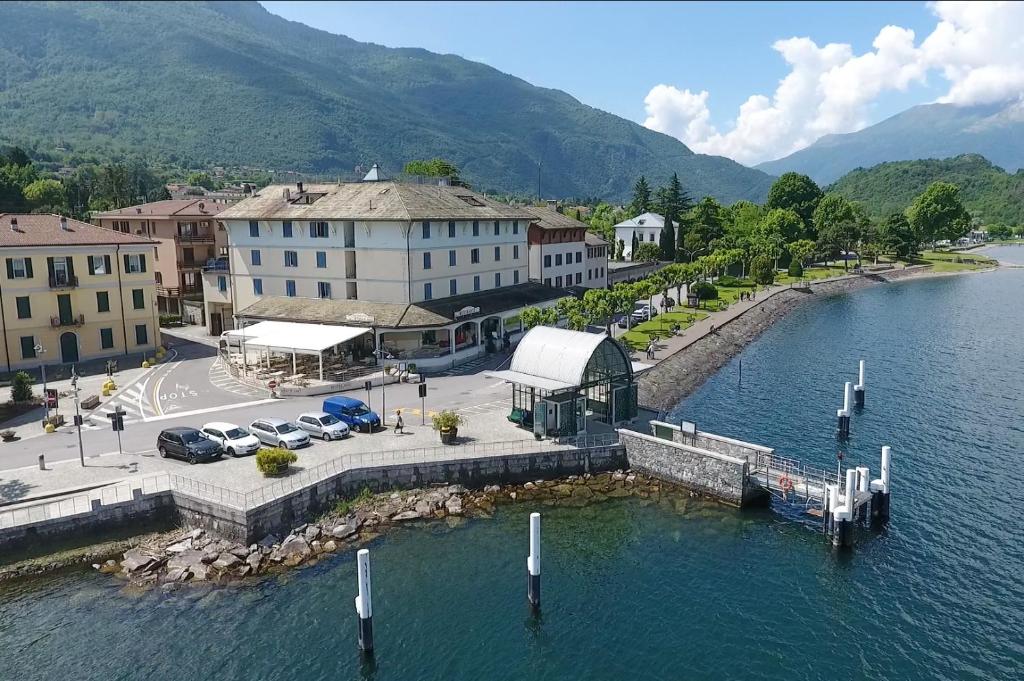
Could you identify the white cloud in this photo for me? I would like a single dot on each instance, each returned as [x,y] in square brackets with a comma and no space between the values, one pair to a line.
[978,47]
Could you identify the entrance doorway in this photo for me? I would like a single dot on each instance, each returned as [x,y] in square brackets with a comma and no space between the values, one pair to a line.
[68,347]
[216,324]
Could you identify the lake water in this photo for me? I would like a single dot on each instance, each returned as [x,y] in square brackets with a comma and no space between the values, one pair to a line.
[652,591]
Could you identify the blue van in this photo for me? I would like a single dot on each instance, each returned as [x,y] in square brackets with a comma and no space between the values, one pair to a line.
[353,412]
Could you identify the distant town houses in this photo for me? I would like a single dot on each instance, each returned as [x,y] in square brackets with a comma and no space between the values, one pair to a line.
[72,291]
[563,253]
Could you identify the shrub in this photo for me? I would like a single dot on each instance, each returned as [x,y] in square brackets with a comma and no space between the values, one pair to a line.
[704,290]
[796,269]
[274,460]
[170,320]
[446,420]
[762,271]
[21,387]
[729,280]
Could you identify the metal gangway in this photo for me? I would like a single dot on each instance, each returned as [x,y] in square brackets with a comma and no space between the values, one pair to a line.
[794,481]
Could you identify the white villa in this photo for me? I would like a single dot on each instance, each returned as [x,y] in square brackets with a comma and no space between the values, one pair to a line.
[647,228]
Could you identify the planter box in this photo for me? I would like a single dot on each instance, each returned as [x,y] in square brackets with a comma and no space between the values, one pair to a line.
[91,402]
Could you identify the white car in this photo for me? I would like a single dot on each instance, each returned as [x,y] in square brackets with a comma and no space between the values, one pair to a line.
[322,425]
[234,440]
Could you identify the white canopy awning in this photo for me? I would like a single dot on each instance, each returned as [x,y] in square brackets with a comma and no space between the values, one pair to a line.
[538,382]
[294,336]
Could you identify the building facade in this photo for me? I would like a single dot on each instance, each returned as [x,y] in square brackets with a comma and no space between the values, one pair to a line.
[646,227]
[188,236]
[384,254]
[597,262]
[73,292]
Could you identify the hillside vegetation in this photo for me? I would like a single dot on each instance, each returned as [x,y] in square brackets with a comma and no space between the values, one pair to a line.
[196,84]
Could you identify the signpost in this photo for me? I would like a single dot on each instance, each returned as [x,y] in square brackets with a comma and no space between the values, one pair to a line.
[78,415]
[40,350]
[423,403]
[117,425]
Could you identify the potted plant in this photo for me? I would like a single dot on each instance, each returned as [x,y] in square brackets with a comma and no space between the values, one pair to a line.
[7,435]
[274,460]
[447,422]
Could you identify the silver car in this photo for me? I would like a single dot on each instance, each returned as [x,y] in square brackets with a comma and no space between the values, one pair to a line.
[278,433]
[322,425]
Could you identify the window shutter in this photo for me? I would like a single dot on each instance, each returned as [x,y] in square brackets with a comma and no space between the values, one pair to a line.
[92,265]
[28,268]
[142,262]
[71,267]
[106,264]
[126,269]
[49,267]
[10,268]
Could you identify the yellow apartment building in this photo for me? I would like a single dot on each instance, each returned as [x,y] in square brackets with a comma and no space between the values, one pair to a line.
[72,292]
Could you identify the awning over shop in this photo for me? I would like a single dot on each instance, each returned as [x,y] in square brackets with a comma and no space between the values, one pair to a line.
[294,336]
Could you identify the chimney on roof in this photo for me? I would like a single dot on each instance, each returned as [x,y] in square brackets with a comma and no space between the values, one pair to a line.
[63,223]
[553,205]
[138,210]
[444,181]
[14,224]
[298,185]
[287,194]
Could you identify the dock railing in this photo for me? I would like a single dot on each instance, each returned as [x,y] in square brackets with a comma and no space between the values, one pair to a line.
[781,474]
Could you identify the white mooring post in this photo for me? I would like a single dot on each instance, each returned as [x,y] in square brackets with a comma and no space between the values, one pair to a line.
[843,415]
[858,390]
[831,504]
[533,562]
[880,490]
[863,481]
[843,515]
[364,601]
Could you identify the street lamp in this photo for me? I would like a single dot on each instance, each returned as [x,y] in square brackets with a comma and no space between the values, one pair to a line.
[78,415]
[40,350]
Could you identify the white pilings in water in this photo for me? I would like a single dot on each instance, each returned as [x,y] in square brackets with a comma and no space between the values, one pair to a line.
[533,563]
[863,481]
[842,517]
[858,390]
[843,415]
[880,490]
[831,504]
[364,601]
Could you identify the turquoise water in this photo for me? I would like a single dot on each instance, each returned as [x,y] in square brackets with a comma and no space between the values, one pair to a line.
[651,591]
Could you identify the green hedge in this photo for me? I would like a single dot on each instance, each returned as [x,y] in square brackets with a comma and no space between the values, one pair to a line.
[274,460]
[170,320]
[796,269]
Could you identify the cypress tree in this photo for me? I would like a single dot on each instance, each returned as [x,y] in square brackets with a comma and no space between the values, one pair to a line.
[635,245]
[667,241]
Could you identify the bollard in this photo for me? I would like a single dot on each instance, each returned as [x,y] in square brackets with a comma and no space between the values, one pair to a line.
[42,462]
[843,516]
[858,390]
[533,563]
[364,601]
[880,490]
[831,503]
[862,486]
[843,415]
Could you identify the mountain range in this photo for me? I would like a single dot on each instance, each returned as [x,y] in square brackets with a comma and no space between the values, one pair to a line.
[995,131]
[199,84]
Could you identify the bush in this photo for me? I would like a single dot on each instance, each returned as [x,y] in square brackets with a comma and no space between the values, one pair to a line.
[796,269]
[446,420]
[21,387]
[762,271]
[729,280]
[170,320]
[704,290]
[274,460]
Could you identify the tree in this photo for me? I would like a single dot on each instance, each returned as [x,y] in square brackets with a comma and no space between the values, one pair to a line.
[624,297]
[21,387]
[706,222]
[836,221]
[200,180]
[47,194]
[538,316]
[939,214]
[784,222]
[603,219]
[742,218]
[801,250]
[897,236]
[692,245]
[635,246]
[672,199]
[762,271]
[435,167]
[571,310]
[599,306]
[620,247]
[647,252]
[641,202]
[158,194]
[798,193]
[14,156]
[667,239]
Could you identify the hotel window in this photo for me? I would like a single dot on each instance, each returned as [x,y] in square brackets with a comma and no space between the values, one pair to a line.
[547,281]
[558,282]
[28,347]
[497,228]
[558,259]
[100,264]
[289,288]
[321,259]
[497,254]
[106,339]
[121,226]
[286,229]
[476,282]
[515,226]
[451,258]
[515,252]
[515,276]
[138,299]
[318,230]
[426,260]
[476,228]
[291,259]
[24,307]
[19,268]
[323,289]
[547,260]
[102,301]
[650,237]
[254,257]
[257,287]
[579,256]
[254,228]
[134,263]
[141,334]
[428,291]
[426,229]
[579,277]
[222,284]
[497,280]
[453,287]
[451,229]
[474,255]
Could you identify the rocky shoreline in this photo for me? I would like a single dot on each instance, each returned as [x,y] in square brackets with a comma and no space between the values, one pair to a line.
[676,377]
[170,560]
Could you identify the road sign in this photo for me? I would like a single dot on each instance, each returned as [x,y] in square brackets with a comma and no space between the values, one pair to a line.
[272,384]
[367,385]
[51,398]
[423,389]
[117,419]
[78,420]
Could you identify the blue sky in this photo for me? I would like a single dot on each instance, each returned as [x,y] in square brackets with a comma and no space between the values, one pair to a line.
[610,55]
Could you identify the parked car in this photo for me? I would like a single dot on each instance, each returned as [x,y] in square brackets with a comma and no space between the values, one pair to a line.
[323,425]
[275,432]
[353,412]
[188,444]
[234,440]
[644,312]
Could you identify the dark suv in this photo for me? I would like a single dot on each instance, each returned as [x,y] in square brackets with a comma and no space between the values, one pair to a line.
[187,443]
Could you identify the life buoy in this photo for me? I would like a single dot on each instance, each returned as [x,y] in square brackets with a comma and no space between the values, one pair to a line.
[785,483]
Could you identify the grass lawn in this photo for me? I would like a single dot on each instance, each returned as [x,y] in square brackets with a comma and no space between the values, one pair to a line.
[945,261]
[638,337]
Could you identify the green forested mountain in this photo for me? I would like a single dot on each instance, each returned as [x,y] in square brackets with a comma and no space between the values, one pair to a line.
[996,131]
[988,192]
[227,83]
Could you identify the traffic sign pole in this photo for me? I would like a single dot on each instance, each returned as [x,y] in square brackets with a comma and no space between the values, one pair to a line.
[78,416]
[423,403]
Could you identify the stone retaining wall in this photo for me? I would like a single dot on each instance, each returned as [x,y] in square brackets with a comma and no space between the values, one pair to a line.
[739,449]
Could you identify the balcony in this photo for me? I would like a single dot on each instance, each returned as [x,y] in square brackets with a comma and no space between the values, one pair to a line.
[187,239]
[71,320]
[179,291]
[63,281]
[217,265]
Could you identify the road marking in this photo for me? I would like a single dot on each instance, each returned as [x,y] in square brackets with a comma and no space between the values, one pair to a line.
[207,410]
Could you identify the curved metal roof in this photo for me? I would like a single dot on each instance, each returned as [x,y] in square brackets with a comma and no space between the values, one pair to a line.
[555,354]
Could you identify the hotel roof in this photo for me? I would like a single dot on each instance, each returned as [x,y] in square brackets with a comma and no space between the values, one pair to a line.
[198,207]
[25,229]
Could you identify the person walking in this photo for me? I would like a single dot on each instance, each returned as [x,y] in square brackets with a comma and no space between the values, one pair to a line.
[399,424]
